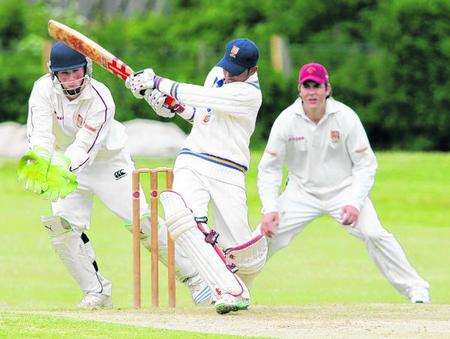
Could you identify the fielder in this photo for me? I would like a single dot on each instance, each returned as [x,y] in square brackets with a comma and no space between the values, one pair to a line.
[331,171]
[212,164]
[77,150]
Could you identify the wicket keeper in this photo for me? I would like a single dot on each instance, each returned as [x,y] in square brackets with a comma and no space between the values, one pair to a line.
[77,150]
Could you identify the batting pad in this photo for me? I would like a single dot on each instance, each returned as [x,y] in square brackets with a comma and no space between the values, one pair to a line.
[183,228]
[184,269]
[76,256]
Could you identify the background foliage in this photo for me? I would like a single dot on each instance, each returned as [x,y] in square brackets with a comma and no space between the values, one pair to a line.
[387,59]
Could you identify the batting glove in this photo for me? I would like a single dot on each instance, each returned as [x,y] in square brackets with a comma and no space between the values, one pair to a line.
[156,100]
[33,168]
[140,81]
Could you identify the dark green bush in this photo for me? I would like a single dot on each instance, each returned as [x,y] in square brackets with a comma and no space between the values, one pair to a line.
[387,59]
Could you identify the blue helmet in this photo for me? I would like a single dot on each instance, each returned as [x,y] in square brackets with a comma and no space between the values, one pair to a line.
[64,58]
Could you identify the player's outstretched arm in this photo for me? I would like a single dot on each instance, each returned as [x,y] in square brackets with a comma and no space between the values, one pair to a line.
[240,98]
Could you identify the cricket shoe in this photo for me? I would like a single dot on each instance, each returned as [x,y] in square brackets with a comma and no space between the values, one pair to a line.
[419,296]
[228,303]
[95,301]
[200,291]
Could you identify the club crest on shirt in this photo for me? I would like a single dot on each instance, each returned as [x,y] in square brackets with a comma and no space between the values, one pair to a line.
[207,117]
[335,135]
[78,120]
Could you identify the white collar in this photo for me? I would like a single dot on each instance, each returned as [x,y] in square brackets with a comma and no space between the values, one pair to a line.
[330,108]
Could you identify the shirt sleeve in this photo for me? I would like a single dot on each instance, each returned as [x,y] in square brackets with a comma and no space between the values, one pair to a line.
[40,121]
[270,169]
[186,112]
[364,164]
[214,78]
[190,112]
[237,99]
[91,136]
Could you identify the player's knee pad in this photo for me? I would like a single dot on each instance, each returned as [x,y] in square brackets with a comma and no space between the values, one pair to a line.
[56,226]
[183,267]
[180,222]
[179,217]
[77,254]
[67,239]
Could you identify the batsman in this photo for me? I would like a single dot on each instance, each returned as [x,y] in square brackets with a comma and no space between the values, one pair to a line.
[77,150]
[211,168]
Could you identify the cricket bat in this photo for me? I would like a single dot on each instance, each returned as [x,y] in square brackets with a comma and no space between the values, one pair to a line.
[94,51]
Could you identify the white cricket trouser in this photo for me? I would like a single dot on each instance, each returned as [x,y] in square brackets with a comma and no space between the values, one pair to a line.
[107,178]
[228,202]
[298,208]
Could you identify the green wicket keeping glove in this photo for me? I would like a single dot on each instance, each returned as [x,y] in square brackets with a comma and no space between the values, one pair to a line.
[32,169]
[60,180]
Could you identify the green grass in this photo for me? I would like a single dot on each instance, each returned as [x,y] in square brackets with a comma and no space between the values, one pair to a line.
[15,325]
[322,265]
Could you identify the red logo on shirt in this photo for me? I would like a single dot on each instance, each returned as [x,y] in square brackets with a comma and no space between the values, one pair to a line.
[296,138]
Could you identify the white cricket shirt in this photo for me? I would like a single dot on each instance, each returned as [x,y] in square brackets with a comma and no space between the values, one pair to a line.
[80,128]
[322,159]
[225,117]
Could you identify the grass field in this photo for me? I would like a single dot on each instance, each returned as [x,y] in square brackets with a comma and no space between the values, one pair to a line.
[323,266]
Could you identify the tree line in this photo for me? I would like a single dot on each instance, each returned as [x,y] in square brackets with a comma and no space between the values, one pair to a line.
[387,59]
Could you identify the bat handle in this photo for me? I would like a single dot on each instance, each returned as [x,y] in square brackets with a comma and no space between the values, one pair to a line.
[169,102]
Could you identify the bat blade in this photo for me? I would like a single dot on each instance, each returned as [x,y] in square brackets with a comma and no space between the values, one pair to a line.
[89,48]
[95,52]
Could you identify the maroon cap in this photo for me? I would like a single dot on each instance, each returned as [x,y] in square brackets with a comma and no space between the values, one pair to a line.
[314,72]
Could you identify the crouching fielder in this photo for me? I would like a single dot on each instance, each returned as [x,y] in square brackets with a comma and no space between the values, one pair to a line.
[331,171]
[77,151]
